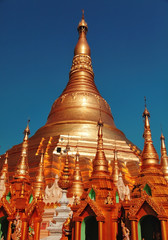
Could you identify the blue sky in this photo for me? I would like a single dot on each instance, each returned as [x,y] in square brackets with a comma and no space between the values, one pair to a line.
[129,48]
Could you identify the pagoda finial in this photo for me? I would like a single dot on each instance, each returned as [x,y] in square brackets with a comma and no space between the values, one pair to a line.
[22,171]
[100,163]
[4,172]
[77,185]
[83,17]
[27,131]
[82,46]
[149,155]
[65,180]
[145,100]
[39,185]
[164,157]
[115,171]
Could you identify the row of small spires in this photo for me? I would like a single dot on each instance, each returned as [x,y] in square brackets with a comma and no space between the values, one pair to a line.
[22,172]
[149,158]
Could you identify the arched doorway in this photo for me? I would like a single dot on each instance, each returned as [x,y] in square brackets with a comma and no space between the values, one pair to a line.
[149,228]
[3,227]
[89,228]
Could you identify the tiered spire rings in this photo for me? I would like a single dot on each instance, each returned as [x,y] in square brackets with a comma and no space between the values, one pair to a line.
[4,173]
[39,186]
[164,157]
[100,163]
[22,171]
[115,172]
[149,155]
[65,180]
[77,185]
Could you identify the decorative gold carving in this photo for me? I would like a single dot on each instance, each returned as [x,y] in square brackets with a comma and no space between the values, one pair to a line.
[109,199]
[137,204]
[93,205]
[82,62]
[16,228]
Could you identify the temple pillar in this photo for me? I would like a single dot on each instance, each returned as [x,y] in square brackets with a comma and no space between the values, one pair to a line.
[9,229]
[134,228]
[73,231]
[163,223]
[37,223]
[24,229]
[114,231]
[100,230]
[77,230]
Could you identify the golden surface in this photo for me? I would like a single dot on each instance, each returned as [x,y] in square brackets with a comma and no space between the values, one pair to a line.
[164,157]
[149,154]
[23,168]
[100,163]
[74,116]
[65,180]
[77,187]
[39,184]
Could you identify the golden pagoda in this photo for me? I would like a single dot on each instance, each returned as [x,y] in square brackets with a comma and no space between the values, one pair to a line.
[100,195]
[73,117]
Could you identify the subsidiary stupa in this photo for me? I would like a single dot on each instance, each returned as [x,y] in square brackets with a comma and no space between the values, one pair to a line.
[72,123]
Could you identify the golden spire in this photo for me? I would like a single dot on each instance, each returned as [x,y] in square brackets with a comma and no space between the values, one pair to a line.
[164,157]
[82,46]
[77,185]
[4,172]
[81,76]
[149,155]
[39,185]
[115,171]
[100,164]
[22,171]
[65,180]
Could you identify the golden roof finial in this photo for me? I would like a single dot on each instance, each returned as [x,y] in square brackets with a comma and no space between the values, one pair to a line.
[65,180]
[22,171]
[39,185]
[115,171]
[27,131]
[77,185]
[82,46]
[100,163]
[164,157]
[149,155]
[4,172]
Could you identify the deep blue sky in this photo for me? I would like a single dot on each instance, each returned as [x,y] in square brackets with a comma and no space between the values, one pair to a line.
[129,47]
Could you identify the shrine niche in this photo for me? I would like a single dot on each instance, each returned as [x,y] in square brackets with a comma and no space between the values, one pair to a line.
[89,228]
[149,227]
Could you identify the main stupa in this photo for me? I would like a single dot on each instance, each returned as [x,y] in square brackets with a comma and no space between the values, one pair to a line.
[72,124]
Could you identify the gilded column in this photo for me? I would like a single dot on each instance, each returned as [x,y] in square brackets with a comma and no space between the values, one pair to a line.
[37,229]
[9,229]
[24,230]
[77,230]
[100,230]
[164,229]
[114,228]
[134,229]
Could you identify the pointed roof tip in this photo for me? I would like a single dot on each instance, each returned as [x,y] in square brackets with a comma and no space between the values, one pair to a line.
[149,155]
[26,131]
[100,121]
[115,172]
[146,112]
[162,136]
[6,158]
[42,156]
[83,17]
[82,26]
[22,171]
